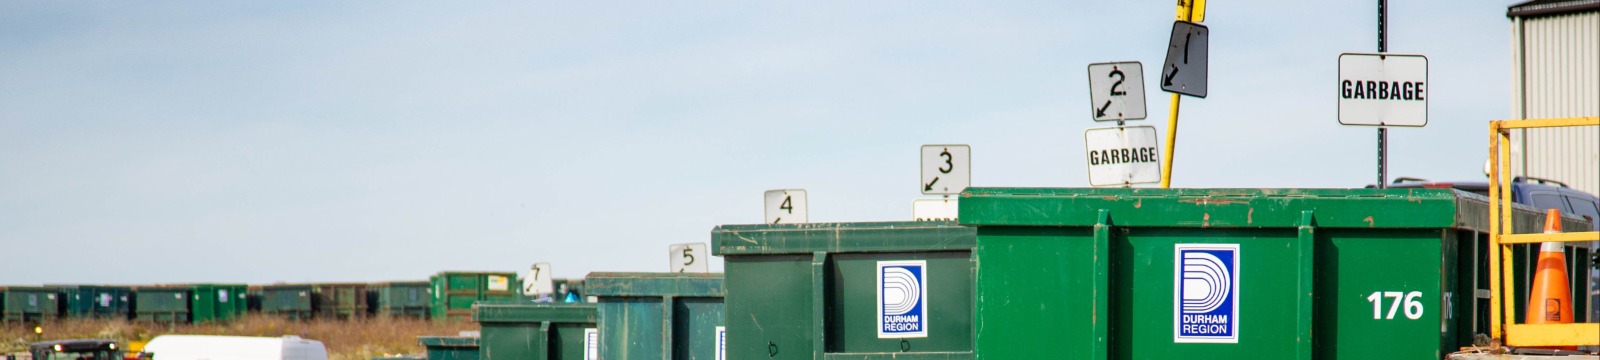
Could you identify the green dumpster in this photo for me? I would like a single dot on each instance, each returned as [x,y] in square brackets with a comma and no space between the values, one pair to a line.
[1228,273]
[658,315]
[450,347]
[341,301]
[540,331]
[401,299]
[161,304]
[454,292]
[848,290]
[95,301]
[29,303]
[292,301]
[218,302]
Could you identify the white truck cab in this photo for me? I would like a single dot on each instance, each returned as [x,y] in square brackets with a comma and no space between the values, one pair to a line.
[209,347]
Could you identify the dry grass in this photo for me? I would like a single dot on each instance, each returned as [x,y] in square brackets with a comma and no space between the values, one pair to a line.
[346,340]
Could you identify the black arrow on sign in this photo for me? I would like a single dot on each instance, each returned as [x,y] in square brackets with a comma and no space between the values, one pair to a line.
[1101,112]
[929,186]
[1168,81]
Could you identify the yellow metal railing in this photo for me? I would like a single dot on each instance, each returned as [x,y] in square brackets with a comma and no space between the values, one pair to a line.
[1502,308]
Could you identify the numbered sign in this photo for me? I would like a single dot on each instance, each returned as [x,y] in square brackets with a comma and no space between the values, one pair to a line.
[1185,69]
[1116,91]
[786,206]
[946,169]
[691,257]
[934,209]
[1123,155]
[538,281]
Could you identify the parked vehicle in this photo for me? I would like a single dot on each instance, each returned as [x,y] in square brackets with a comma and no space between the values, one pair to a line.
[205,347]
[76,349]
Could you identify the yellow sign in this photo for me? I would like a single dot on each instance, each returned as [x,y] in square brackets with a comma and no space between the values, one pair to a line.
[1192,10]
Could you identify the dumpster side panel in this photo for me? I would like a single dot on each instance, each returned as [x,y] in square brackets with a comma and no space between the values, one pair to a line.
[634,328]
[694,329]
[568,342]
[510,340]
[773,295]
[1368,284]
[1048,274]
[852,294]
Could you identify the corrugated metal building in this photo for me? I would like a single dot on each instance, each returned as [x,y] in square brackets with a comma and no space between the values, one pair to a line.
[1555,72]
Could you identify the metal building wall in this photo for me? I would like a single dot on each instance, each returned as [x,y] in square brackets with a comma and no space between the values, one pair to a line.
[1556,73]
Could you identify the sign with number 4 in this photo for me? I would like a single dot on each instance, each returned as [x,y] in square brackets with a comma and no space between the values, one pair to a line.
[786,206]
[689,257]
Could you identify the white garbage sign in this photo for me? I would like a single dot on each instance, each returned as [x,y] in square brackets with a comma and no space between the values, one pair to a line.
[1383,90]
[1123,155]
[934,209]
[1116,91]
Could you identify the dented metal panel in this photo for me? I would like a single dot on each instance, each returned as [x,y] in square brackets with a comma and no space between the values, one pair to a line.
[811,291]
[658,315]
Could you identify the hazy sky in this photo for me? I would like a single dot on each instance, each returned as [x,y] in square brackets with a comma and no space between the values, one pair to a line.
[146,142]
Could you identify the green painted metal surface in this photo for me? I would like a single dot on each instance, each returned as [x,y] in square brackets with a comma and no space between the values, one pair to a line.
[450,347]
[810,291]
[95,301]
[543,331]
[402,299]
[29,303]
[659,316]
[162,304]
[292,301]
[217,302]
[454,292]
[1321,273]
[341,301]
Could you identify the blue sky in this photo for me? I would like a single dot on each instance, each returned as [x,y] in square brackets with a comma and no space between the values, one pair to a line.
[363,141]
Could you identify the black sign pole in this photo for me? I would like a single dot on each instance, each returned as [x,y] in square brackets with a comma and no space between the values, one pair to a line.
[1383,133]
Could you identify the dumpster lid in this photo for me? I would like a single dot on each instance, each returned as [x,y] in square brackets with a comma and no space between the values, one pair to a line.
[448,341]
[842,237]
[654,284]
[534,312]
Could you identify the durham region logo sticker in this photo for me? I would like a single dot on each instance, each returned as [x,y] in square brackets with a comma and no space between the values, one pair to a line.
[1206,297]
[903,299]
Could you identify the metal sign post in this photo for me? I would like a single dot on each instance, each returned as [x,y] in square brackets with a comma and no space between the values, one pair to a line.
[1188,11]
[1383,132]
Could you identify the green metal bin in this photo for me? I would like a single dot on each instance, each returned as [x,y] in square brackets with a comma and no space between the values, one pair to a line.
[29,303]
[292,301]
[848,290]
[341,301]
[218,302]
[95,301]
[659,316]
[161,304]
[1228,273]
[538,331]
[401,299]
[454,292]
[450,347]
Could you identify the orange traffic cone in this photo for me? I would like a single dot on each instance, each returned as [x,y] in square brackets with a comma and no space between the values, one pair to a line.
[1550,299]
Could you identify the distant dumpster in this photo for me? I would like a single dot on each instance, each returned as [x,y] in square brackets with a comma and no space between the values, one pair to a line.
[1227,273]
[29,303]
[848,290]
[162,304]
[217,302]
[658,315]
[454,292]
[401,299]
[95,301]
[450,347]
[538,331]
[341,301]
[292,301]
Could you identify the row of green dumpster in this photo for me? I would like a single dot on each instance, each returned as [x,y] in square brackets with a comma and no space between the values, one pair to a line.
[1056,273]
[167,303]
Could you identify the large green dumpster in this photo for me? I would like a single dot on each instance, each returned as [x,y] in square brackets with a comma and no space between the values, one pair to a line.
[658,315]
[401,299]
[454,292]
[218,302]
[95,301]
[537,331]
[848,290]
[29,303]
[1226,273]
[162,304]
[292,301]
[450,347]
[341,301]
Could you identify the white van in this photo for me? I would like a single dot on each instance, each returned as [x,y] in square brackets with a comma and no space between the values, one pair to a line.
[208,347]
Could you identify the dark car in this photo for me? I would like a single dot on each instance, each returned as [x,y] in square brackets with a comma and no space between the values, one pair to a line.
[78,349]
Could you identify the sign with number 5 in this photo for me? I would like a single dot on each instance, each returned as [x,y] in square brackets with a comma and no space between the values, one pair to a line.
[691,257]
